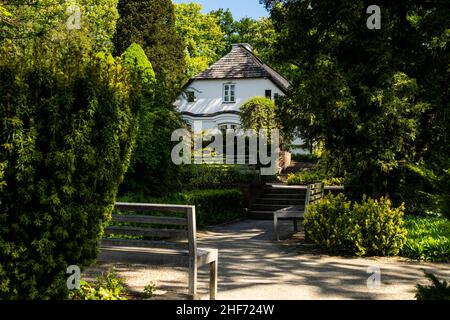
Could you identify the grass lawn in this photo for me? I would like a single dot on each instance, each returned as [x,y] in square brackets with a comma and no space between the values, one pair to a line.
[428,239]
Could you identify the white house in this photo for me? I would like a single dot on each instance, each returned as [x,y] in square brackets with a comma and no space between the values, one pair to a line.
[216,95]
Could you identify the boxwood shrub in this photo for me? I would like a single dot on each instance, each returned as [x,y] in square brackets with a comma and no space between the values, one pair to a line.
[372,227]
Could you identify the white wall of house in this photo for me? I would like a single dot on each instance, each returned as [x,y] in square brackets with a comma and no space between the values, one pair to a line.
[213,112]
[209,99]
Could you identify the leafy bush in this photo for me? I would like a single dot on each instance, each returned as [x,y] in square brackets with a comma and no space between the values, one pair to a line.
[370,228]
[149,290]
[324,222]
[59,111]
[376,228]
[436,291]
[106,287]
[428,239]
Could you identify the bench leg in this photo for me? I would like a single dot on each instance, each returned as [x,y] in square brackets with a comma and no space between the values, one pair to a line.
[193,281]
[275,227]
[213,272]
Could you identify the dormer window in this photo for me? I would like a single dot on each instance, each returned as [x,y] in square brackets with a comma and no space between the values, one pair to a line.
[229,93]
[190,96]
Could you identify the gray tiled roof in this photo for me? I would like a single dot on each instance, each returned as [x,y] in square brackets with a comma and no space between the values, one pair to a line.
[240,63]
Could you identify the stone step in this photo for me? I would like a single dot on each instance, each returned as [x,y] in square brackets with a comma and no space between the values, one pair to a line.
[283,196]
[286,201]
[260,215]
[284,190]
[268,207]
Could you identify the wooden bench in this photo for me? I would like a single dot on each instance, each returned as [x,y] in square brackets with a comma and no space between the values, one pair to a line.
[167,246]
[314,193]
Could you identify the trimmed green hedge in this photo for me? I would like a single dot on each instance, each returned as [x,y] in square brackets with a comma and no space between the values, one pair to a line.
[212,206]
[372,227]
[209,176]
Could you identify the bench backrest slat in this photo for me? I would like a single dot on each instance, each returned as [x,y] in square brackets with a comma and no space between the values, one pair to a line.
[314,194]
[187,221]
[150,219]
[151,207]
[146,232]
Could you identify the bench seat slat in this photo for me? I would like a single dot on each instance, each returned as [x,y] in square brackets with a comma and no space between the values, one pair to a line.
[113,242]
[128,253]
[146,232]
[150,219]
[138,255]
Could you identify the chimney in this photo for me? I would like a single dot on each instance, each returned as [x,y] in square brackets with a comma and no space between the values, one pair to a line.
[245,45]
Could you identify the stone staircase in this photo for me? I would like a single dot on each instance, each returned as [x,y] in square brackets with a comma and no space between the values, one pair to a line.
[275,197]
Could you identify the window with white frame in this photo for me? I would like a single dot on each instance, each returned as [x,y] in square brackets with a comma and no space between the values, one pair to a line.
[226,126]
[190,95]
[229,93]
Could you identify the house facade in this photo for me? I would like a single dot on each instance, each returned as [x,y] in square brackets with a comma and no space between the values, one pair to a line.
[215,96]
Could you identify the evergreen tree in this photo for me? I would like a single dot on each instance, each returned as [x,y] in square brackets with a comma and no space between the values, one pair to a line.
[151,24]
[379,99]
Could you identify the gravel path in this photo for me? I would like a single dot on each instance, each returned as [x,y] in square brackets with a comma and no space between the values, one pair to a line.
[252,266]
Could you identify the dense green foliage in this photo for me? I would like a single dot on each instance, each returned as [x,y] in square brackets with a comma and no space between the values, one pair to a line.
[202,35]
[310,177]
[25,20]
[151,170]
[428,239]
[199,176]
[212,206]
[151,24]
[305,157]
[259,113]
[323,171]
[372,227]
[437,290]
[106,287]
[61,107]
[379,109]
